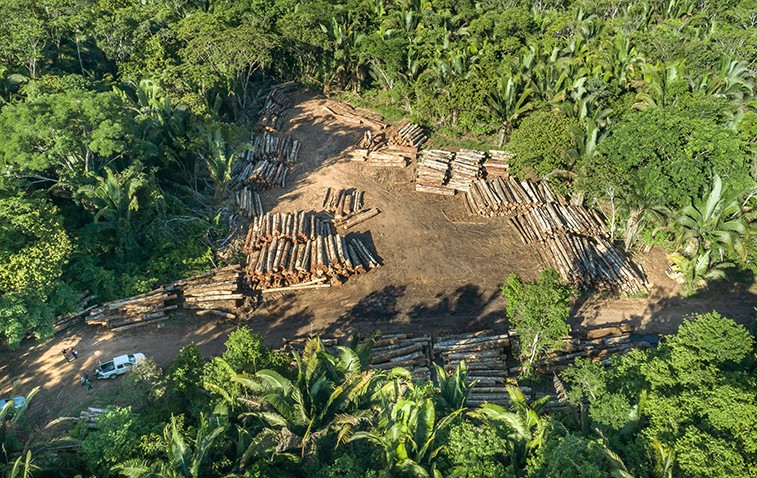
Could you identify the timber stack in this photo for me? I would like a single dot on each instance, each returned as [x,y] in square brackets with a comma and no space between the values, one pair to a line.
[432,172]
[403,350]
[484,353]
[276,104]
[275,149]
[501,197]
[298,345]
[295,250]
[411,135]
[343,203]
[498,163]
[216,292]
[598,350]
[390,156]
[249,203]
[90,415]
[62,322]
[142,309]
[465,168]
[265,175]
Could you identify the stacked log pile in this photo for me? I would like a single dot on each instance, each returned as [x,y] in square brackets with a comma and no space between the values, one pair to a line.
[411,135]
[432,172]
[484,353]
[298,345]
[214,292]
[464,169]
[249,203]
[265,175]
[300,248]
[142,309]
[276,104]
[403,350]
[498,164]
[390,156]
[343,203]
[62,322]
[275,149]
[90,416]
[573,239]
[600,349]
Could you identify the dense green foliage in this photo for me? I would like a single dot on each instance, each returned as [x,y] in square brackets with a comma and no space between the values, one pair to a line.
[683,409]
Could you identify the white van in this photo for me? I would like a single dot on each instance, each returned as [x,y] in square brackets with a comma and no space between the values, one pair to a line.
[118,366]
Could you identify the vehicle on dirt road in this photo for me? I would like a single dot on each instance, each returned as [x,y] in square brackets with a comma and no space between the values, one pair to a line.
[118,366]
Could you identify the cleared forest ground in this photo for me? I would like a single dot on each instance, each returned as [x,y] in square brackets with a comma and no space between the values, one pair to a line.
[441,271]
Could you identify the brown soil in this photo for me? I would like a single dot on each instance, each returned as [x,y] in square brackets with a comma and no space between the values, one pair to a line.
[441,270]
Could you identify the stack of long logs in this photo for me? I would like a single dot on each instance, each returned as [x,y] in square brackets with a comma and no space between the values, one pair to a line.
[63,322]
[212,293]
[275,106]
[90,415]
[498,163]
[249,203]
[390,156]
[464,169]
[275,149]
[403,350]
[484,355]
[410,134]
[573,238]
[432,172]
[600,349]
[295,250]
[142,309]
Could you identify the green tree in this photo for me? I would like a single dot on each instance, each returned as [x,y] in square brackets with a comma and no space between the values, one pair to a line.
[538,312]
[542,143]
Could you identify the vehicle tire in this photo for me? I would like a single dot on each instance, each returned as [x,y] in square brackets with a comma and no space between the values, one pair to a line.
[113,376]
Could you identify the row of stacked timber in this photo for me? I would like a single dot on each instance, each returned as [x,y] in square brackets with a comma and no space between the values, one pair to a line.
[301,250]
[249,203]
[343,203]
[411,135]
[543,221]
[389,156]
[216,292]
[276,104]
[274,148]
[262,175]
[403,350]
[62,322]
[465,168]
[298,345]
[90,416]
[500,197]
[484,353]
[498,163]
[432,172]
[142,309]
[600,349]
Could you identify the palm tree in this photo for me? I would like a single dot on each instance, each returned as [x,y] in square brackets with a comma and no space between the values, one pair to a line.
[659,85]
[10,417]
[664,460]
[219,158]
[524,425]
[509,101]
[713,223]
[454,388]
[183,459]
[21,468]
[407,431]
[328,393]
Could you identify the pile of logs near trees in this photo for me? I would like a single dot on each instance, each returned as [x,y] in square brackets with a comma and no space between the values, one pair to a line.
[464,169]
[215,292]
[62,322]
[403,350]
[389,156]
[90,416]
[445,172]
[432,172]
[573,238]
[142,309]
[249,203]
[498,163]
[343,203]
[598,349]
[411,135]
[484,355]
[276,104]
[274,149]
[299,250]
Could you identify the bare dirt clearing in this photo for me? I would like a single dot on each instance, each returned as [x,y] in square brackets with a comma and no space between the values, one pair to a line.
[441,273]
